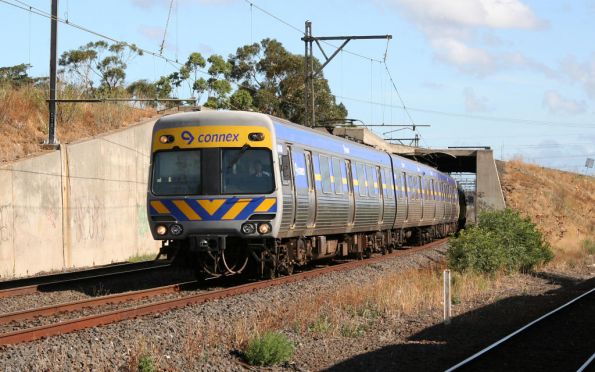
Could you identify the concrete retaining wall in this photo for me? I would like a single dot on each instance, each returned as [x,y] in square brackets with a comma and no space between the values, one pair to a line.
[81,206]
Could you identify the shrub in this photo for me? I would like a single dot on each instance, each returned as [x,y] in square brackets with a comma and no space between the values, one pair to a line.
[589,246]
[503,240]
[272,348]
[146,364]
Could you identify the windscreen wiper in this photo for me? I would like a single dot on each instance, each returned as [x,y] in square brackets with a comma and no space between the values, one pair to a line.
[238,156]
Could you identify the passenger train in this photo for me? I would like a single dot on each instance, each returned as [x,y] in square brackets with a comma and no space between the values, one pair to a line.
[237,190]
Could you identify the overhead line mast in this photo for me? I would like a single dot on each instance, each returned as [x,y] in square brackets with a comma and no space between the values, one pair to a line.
[310,74]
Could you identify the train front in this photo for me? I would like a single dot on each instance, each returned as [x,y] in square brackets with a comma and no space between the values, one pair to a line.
[212,195]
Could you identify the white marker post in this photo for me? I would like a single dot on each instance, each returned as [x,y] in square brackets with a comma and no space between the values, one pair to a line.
[447,297]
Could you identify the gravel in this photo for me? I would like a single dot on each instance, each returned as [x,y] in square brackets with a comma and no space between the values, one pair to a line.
[190,338]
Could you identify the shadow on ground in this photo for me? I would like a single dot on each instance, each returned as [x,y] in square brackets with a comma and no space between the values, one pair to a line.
[439,347]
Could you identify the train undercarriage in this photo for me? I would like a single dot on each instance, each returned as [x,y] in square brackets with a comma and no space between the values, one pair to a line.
[215,256]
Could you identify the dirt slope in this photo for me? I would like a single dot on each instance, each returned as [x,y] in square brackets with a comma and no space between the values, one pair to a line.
[24,120]
[561,203]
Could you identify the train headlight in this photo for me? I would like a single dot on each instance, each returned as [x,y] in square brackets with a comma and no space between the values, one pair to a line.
[161,230]
[264,228]
[176,229]
[248,228]
[166,138]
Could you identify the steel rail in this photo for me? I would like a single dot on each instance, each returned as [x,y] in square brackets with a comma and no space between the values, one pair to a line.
[586,364]
[520,330]
[81,276]
[20,282]
[89,302]
[165,305]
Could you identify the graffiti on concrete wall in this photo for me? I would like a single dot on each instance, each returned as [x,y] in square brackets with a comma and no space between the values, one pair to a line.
[88,219]
[5,223]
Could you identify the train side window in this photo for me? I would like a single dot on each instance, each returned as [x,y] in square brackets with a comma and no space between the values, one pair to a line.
[309,170]
[388,184]
[419,187]
[370,178]
[325,174]
[338,177]
[361,179]
[345,176]
[285,162]
[432,193]
[403,190]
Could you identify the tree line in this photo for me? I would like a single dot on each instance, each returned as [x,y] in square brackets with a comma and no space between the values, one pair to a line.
[263,77]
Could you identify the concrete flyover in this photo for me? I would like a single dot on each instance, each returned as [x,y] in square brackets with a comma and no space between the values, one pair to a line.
[487,193]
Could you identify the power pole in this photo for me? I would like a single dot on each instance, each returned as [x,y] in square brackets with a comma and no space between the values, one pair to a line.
[310,74]
[52,141]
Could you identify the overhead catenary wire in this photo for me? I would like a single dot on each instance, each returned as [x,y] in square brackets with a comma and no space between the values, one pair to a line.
[171,4]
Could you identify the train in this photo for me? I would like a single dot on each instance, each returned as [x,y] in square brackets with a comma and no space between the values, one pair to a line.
[235,191]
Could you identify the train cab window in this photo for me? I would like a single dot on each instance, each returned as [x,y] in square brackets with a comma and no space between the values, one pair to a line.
[177,173]
[361,179]
[370,172]
[338,177]
[325,174]
[247,171]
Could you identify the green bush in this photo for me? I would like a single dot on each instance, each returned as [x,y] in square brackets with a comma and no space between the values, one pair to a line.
[272,348]
[146,364]
[502,240]
[589,246]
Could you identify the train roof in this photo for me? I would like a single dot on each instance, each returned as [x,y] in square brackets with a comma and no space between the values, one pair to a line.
[288,130]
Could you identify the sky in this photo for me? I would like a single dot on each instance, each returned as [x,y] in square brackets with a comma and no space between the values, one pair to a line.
[515,75]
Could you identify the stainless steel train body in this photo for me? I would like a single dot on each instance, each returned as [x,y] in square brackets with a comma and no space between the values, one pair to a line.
[252,185]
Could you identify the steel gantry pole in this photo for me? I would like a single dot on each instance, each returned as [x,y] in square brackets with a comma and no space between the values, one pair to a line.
[310,74]
[52,141]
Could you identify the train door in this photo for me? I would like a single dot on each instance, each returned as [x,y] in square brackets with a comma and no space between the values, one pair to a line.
[312,205]
[348,174]
[301,189]
[405,186]
[433,196]
[378,179]
[421,196]
[289,189]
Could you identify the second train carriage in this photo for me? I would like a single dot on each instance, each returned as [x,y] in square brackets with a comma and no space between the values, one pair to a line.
[238,186]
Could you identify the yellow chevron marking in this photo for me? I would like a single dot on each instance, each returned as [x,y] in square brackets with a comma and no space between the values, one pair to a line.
[318,177]
[159,207]
[356,182]
[211,206]
[237,208]
[188,212]
[344,181]
[266,205]
[366,183]
[332,178]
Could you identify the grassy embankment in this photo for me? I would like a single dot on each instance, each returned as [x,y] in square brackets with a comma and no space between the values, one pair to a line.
[24,119]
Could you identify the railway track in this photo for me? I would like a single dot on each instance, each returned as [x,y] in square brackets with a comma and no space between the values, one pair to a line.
[561,340]
[56,281]
[130,312]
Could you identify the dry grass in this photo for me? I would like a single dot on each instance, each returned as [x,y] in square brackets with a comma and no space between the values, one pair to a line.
[24,120]
[562,204]
[349,312]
